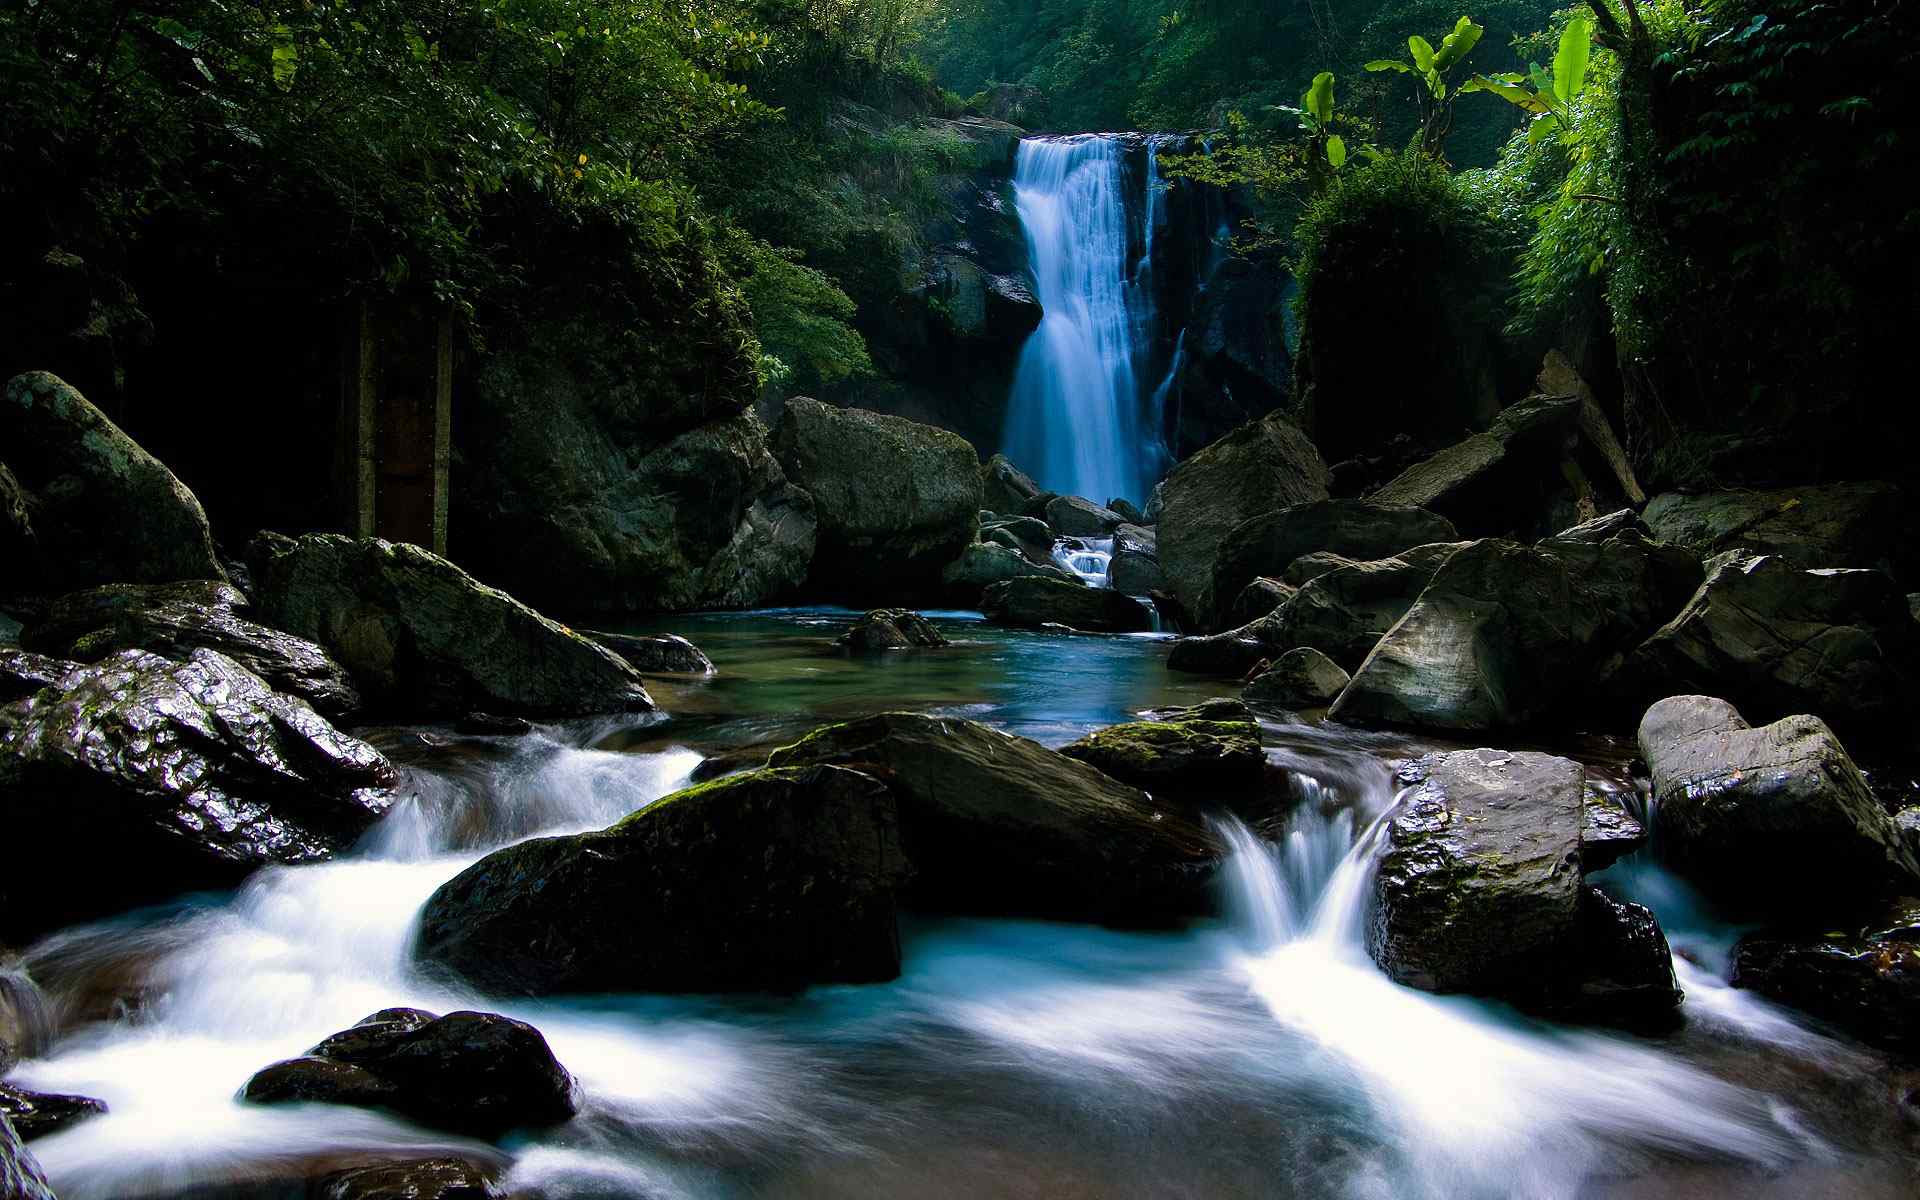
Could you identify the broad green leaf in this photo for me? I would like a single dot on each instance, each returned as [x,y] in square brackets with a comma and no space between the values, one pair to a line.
[1511,93]
[1458,44]
[286,63]
[1570,64]
[1436,85]
[1389,64]
[1319,98]
[1337,151]
[1422,52]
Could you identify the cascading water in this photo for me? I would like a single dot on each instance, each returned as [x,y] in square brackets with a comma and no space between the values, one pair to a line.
[1075,417]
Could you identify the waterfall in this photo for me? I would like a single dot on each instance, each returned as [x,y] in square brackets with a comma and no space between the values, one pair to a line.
[1075,419]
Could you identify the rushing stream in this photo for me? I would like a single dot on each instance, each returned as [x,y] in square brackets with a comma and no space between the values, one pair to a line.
[1258,1055]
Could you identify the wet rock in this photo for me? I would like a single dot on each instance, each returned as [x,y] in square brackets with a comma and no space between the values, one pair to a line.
[36,1114]
[103,509]
[1259,599]
[999,824]
[20,1175]
[1775,640]
[1608,832]
[473,1073]
[147,778]
[417,1179]
[1227,655]
[1129,512]
[1075,516]
[1301,678]
[1132,573]
[887,491]
[1036,601]
[23,673]
[492,725]
[979,567]
[768,881]
[1496,482]
[19,549]
[1479,890]
[1263,465]
[1772,817]
[1269,543]
[175,619]
[1028,535]
[658,654]
[26,1024]
[1006,488]
[890,629]
[1836,525]
[1506,635]
[1209,754]
[422,638]
[1866,981]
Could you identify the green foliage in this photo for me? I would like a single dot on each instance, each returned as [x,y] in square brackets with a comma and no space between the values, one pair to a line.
[1549,102]
[803,318]
[1431,67]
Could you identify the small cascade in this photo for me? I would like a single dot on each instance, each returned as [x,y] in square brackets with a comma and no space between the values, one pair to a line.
[1075,417]
[1089,558]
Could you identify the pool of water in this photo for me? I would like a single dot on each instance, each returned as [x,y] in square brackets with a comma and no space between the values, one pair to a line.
[1256,1054]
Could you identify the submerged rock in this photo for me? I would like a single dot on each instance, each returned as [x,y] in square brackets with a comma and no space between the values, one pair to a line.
[423,638]
[103,510]
[999,824]
[1263,465]
[20,1175]
[1269,544]
[890,629]
[175,619]
[659,654]
[138,778]
[1301,678]
[35,1114]
[896,500]
[1210,753]
[474,1073]
[1866,981]
[1775,817]
[1035,601]
[767,881]
[1836,525]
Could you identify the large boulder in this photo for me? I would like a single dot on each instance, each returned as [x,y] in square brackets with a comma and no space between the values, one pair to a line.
[473,1073]
[138,778]
[767,881]
[20,1175]
[890,629]
[897,501]
[102,509]
[1207,754]
[1835,525]
[982,565]
[423,638]
[1772,817]
[1034,601]
[1269,543]
[1774,640]
[1506,635]
[174,620]
[1479,889]
[999,824]
[566,510]
[656,654]
[1261,466]
[1076,516]
[1005,488]
[1865,980]
[1498,482]
[1301,678]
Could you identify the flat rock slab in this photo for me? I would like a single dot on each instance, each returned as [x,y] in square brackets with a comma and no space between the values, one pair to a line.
[1033,602]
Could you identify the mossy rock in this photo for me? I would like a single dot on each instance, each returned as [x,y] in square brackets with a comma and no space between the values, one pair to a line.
[1206,761]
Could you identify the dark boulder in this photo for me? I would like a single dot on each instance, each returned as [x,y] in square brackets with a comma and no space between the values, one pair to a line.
[20,1175]
[768,881]
[473,1073]
[890,629]
[1776,640]
[1619,967]
[658,654]
[1772,817]
[35,1114]
[1301,678]
[1028,535]
[413,1179]
[1835,525]
[146,778]
[1000,824]
[1263,465]
[422,638]
[103,510]
[1261,598]
[896,500]
[1866,981]
[1035,601]
[980,566]
[23,673]
[175,619]
[19,549]
[1269,543]
[1608,832]
[1129,512]
[1507,635]
[1498,482]
[1208,754]
[1135,573]
[1005,488]
[1075,516]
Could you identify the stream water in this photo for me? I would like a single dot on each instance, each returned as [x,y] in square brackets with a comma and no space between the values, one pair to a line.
[1259,1054]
